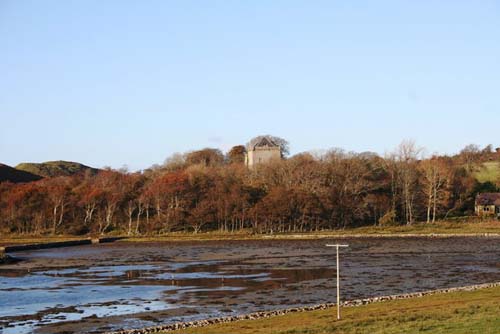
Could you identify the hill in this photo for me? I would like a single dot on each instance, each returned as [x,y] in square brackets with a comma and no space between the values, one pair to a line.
[55,168]
[490,171]
[11,174]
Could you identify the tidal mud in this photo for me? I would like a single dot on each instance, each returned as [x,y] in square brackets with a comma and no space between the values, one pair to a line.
[107,287]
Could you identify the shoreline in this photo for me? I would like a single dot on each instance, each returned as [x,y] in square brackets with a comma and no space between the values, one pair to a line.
[275,313]
[305,236]
[5,250]
[388,235]
[439,230]
[17,247]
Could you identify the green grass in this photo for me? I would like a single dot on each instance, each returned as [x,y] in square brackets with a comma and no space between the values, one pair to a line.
[54,168]
[489,172]
[467,227]
[461,228]
[457,313]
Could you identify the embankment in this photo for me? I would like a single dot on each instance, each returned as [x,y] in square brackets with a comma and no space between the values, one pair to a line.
[268,314]
[55,244]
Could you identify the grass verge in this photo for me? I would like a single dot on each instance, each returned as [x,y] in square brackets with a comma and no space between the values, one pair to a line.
[458,313]
[421,229]
[467,227]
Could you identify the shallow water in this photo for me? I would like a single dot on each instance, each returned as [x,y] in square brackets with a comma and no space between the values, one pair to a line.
[126,285]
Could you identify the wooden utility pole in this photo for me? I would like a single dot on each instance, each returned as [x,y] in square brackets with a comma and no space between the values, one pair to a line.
[337,246]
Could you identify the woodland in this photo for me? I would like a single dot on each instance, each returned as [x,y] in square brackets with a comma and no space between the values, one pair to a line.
[207,190]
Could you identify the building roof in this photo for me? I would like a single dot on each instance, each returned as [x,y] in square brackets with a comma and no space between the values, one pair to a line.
[488,199]
[261,141]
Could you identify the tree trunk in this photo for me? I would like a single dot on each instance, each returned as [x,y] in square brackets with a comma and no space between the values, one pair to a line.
[54,219]
[434,209]
[429,205]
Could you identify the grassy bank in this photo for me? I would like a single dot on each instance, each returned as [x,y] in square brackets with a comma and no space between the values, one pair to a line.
[458,313]
[441,228]
[420,229]
[490,171]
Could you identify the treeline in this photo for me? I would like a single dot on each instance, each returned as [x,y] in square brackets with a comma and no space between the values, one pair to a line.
[207,191]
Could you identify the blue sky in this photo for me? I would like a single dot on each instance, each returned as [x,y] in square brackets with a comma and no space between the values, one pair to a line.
[113,83]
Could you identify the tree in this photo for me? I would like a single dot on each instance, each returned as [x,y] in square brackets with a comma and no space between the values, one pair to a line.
[58,191]
[111,184]
[174,186]
[487,150]
[206,157]
[132,184]
[461,187]
[6,189]
[89,195]
[406,157]
[470,156]
[200,206]
[176,161]
[201,214]
[348,184]
[436,176]
[274,211]
[26,208]
[236,154]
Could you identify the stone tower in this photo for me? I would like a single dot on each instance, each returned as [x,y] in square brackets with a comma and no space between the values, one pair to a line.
[261,150]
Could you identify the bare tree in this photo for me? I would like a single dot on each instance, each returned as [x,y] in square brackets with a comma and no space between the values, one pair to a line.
[406,156]
[470,155]
[206,157]
[436,176]
[174,162]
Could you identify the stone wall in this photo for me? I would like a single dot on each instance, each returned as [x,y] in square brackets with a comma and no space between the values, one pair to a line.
[262,155]
[57,244]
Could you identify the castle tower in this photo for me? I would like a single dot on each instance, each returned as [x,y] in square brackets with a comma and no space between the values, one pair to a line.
[262,150]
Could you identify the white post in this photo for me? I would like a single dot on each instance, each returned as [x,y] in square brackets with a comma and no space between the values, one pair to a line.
[338,285]
[337,246]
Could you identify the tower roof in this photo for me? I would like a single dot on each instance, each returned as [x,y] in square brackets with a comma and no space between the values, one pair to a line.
[261,141]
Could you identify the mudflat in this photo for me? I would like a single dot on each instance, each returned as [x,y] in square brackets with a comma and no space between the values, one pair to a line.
[97,288]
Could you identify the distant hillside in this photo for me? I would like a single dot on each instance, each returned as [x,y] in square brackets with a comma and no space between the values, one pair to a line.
[55,168]
[11,174]
[490,171]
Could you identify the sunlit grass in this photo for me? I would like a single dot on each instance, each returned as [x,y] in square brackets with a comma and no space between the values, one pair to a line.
[444,227]
[490,171]
[458,313]
[459,228]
